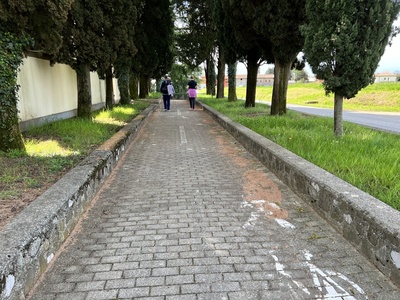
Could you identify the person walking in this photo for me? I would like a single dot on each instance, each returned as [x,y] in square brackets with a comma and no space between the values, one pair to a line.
[165,93]
[171,90]
[192,92]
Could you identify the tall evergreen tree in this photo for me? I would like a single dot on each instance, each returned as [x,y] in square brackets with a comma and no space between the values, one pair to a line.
[249,42]
[120,17]
[154,41]
[232,50]
[39,21]
[42,20]
[278,22]
[195,34]
[196,37]
[344,42]
[83,44]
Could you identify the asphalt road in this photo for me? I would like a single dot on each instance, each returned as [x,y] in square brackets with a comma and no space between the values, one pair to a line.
[385,121]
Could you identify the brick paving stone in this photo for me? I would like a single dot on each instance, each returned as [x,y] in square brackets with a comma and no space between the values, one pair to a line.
[102,295]
[183,222]
[90,285]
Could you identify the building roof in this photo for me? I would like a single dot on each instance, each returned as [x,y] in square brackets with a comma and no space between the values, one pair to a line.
[385,74]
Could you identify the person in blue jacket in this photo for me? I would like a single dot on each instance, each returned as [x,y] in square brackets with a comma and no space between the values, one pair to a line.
[165,94]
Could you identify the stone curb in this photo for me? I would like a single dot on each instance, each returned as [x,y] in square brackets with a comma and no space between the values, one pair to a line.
[29,242]
[370,225]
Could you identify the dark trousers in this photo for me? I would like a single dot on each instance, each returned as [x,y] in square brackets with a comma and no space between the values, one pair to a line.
[167,101]
[192,102]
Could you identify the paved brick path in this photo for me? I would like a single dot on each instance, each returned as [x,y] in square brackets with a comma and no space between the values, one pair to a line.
[189,214]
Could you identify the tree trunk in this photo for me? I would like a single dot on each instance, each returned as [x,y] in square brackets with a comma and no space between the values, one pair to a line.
[210,77]
[144,86]
[232,82]
[148,85]
[84,91]
[134,87]
[338,115]
[279,92]
[109,89]
[10,135]
[252,71]
[221,74]
[123,86]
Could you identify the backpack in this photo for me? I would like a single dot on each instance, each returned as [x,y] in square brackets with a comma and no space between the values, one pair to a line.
[171,90]
[164,88]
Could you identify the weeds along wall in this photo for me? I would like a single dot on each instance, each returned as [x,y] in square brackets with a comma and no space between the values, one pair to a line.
[49,93]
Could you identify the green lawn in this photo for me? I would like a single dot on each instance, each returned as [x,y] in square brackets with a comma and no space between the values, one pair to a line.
[383,97]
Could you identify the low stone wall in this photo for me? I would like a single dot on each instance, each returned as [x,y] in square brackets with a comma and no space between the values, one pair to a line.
[29,242]
[369,224]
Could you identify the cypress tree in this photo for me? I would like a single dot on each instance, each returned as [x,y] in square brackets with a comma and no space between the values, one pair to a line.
[42,20]
[251,45]
[24,25]
[196,38]
[231,48]
[83,44]
[344,41]
[277,24]
[154,41]
[120,17]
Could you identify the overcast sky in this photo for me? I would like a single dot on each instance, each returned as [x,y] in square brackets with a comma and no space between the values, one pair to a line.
[390,61]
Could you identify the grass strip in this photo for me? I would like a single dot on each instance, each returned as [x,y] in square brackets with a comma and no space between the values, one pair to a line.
[366,158]
[55,148]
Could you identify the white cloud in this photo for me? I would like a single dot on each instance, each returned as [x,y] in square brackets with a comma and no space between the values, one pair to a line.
[390,60]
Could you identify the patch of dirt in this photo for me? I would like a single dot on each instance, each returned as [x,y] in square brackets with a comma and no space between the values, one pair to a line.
[259,189]
[10,207]
[16,195]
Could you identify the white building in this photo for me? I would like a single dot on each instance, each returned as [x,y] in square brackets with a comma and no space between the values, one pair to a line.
[385,77]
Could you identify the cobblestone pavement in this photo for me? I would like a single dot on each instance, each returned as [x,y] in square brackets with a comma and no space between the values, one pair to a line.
[189,214]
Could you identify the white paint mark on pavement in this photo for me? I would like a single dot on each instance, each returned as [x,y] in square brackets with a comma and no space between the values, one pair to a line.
[327,286]
[50,257]
[280,269]
[260,211]
[396,258]
[246,204]
[182,134]
[10,281]
[285,224]
[252,221]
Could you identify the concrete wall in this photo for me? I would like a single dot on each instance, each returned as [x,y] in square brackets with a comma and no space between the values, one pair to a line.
[50,93]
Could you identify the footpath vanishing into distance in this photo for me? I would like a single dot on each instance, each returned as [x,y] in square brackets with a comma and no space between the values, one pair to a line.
[188,212]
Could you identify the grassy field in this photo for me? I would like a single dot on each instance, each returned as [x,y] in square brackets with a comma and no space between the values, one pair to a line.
[383,97]
[368,159]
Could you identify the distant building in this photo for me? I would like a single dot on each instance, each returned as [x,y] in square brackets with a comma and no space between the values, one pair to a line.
[262,80]
[241,80]
[385,77]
